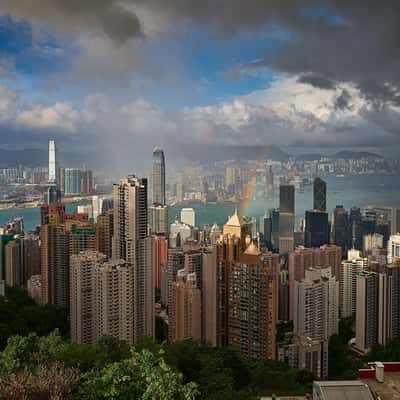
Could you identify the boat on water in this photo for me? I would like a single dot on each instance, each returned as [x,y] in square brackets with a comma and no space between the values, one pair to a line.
[340,176]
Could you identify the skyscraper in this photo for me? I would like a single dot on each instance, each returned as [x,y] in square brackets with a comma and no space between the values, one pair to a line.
[394,248]
[319,194]
[159,223]
[252,304]
[130,230]
[340,228]
[53,191]
[188,216]
[73,181]
[316,231]
[158,177]
[286,219]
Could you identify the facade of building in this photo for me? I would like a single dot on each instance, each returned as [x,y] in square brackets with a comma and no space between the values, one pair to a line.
[316,304]
[319,194]
[14,266]
[158,177]
[316,231]
[159,222]
[393,248]
[73,181]
[188,216]
[252,304]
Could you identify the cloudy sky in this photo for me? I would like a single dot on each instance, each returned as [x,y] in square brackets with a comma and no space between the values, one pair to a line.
[112,79]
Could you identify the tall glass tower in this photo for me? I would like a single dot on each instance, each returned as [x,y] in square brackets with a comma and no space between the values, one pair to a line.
[158,177]
[319,194]
[53,190]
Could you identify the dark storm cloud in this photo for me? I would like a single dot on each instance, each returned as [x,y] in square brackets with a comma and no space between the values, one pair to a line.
[341,40]
[318,81]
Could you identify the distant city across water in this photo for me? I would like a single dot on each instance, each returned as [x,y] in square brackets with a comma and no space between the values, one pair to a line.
[349,191]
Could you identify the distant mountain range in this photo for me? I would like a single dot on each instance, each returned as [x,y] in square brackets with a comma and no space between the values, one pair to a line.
[199,153]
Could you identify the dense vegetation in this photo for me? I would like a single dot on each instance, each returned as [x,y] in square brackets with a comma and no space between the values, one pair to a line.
[20,315]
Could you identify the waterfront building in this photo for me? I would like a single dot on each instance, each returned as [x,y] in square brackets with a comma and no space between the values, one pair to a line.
[87,185]
[73,181]
[158,177]
[316,231]
[188,217]
[319,194]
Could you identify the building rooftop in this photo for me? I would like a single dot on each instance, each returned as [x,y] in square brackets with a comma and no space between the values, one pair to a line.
[343,390]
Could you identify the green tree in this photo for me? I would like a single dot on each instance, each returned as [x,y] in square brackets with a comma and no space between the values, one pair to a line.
[143,376]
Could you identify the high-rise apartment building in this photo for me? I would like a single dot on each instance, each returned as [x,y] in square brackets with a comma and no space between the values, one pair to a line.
[316,231]
[130,230]
[367,310]
[104,233]
[84,271]
[31,252]
[303,258]
[349,271]
[54,264]
[158,177]
[252,305]
[319,194]
[14,272]
[372,241]
[73,181]
[316,304]
[186,310]
[159,222]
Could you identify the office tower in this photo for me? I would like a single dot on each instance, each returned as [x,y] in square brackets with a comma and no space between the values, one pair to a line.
[367,310]
[349,271]
[188,216]
[230,179]
[252,303]
[275,228]
[31,254]
[54,264]
[87,185]
[302,259]
[130,230]
[184,231]
[158,177]
[266,230]
[319,194]
[14,273]
[73,181]
[340,228]
[186,310]
[270,181]
[215,234]
[316,231]
[83,272]
[53,191]
[371,242]
[62,180]
[209,277]
[316,305]
[159,222]
[180,192]
[355,228]
[286,219]
[114,300]
[104,233]
[237,226]
[286,199]
[393,248]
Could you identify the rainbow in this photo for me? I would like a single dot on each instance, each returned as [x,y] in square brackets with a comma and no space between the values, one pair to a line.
[251,184]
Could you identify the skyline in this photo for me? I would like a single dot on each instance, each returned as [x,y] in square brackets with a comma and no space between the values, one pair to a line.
[171,75]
